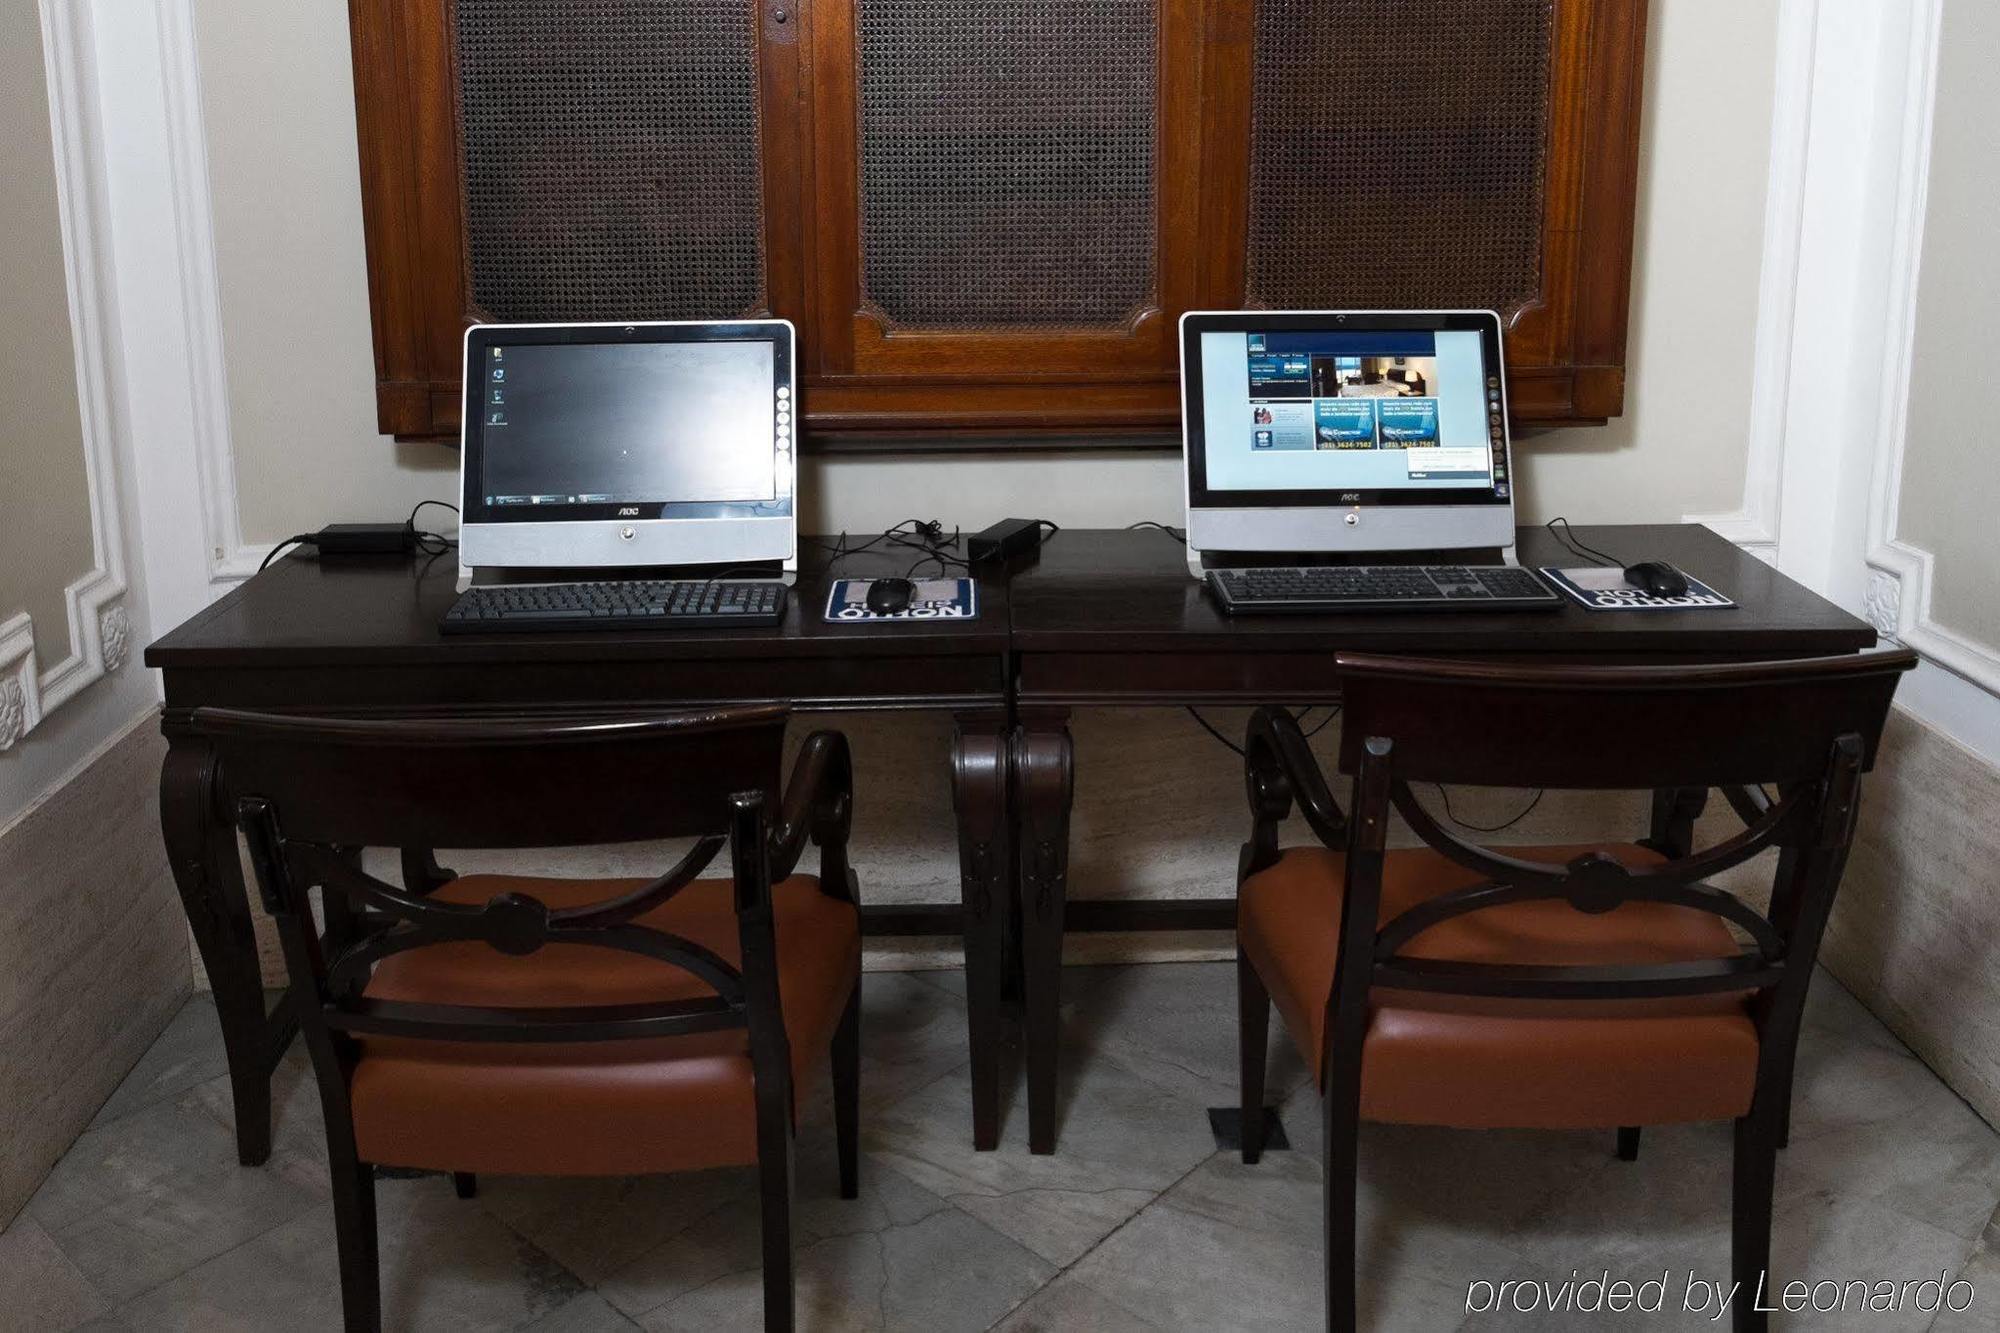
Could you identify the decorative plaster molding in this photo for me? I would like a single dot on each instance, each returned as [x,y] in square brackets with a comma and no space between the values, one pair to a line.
[13,713]
[20,705]
[92,601]
[114,633]
[1891,560]
[1754,524]
[1882,603]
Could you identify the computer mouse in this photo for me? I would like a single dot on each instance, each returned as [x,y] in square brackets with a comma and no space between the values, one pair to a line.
[888,596]
[1658,578]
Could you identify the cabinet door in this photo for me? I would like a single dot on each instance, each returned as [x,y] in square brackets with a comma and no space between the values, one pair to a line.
[568,160]
[1452,154]
[1004,198]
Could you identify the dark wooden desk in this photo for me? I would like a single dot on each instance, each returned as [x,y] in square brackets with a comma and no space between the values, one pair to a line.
[361,637]
[1113,618]
[1097,618]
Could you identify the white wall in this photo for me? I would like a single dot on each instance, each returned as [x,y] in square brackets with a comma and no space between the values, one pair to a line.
[278,101]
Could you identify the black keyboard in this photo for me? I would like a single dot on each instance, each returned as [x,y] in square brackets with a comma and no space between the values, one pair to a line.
[661,604]
[1317,588]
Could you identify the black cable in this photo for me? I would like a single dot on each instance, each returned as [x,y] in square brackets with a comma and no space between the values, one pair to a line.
[302,539]
[1298,717]
[429,543]
[1445,796]
[1233,746]
[1175,533]
[1575,544]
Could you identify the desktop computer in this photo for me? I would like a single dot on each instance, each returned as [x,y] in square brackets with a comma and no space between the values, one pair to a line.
[1319,444]
[656,447]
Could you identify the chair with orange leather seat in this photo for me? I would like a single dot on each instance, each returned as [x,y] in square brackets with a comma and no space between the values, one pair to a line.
[1550,987]
[538,1026]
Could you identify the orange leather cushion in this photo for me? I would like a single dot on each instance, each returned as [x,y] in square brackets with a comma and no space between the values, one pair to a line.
[594,1108]
[1484,1063]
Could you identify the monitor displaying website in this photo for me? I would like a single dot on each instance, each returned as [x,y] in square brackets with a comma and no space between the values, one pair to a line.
[1351,411]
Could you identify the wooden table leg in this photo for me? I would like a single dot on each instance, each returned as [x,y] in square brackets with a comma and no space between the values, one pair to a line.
[986,881]
[1674,811]
[201,847]
[1044,778]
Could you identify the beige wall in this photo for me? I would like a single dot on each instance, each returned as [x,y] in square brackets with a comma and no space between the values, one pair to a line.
[93,954]
[279,106]
[1951,474]
[45,538]
[1912,931]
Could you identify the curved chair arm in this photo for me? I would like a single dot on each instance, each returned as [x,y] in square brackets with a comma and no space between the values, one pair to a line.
[818,804]
[1278,770]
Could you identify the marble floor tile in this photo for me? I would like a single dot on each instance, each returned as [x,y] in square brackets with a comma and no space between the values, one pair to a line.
[187,1053]
[1976,1310]
[1137,1223]
[1236,1246]
[1174,1026]
[910,1036]
[1123,1139]
[297,1123]
[149,1196]
[39,1287]
[897,1257]
[939,1273]
[594,1226]
[446,1265]
[588,1313]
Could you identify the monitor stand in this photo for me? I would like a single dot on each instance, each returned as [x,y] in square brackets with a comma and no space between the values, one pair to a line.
[787,571]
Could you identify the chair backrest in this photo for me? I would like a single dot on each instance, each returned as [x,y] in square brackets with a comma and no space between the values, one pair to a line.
[1809,727]
[311,792]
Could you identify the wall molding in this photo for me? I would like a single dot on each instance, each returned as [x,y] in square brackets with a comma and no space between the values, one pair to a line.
[1901,574]
[1753,525]
[92,602]
[229,560]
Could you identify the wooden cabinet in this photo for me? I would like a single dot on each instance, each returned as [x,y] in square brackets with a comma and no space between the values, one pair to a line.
[987,216]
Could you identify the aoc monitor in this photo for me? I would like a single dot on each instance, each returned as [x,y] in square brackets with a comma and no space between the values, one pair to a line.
[637,445]
[1344,431]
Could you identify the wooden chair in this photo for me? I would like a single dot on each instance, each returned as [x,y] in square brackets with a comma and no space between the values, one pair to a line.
[557,1027]
[1552,987]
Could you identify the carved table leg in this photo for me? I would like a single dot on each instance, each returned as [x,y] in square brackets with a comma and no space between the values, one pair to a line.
[1044,776]
[985,867]
[201,847]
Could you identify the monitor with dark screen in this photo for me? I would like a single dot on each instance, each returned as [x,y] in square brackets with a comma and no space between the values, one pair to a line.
[635,444]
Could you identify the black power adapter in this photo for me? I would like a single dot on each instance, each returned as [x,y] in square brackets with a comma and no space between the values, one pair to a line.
[1004,540]
[338,539]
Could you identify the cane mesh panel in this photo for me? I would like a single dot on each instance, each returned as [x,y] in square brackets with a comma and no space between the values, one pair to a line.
[1007,161]
[612,164]
[1397,153]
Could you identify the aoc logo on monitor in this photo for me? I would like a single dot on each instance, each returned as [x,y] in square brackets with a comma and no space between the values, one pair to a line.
[629,511]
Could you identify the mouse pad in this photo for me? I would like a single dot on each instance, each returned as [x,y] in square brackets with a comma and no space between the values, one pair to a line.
[932,599]
[1603,588]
